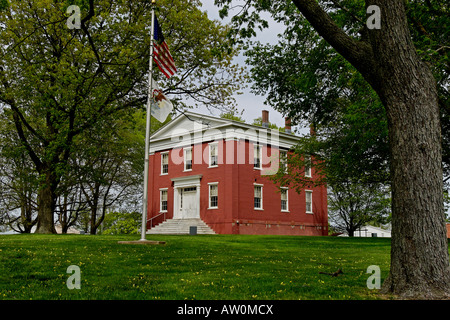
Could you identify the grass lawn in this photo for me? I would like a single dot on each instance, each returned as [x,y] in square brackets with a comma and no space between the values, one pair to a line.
[190,267]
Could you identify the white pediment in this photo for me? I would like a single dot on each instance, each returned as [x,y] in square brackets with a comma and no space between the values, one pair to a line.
[187,122]
[192,128]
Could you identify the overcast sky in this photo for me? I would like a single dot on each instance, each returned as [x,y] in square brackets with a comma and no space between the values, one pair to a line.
[251,104]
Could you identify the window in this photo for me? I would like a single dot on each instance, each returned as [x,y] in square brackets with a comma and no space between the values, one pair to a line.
[284,199]
[213,195]
[213,155]
[256,156]
[283,161]
[308,166]
[308,195]
[187,159]
[258,197]
[163,200]
[165,163]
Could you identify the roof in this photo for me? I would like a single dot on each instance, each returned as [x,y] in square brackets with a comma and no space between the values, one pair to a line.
[191,128]
[376,228]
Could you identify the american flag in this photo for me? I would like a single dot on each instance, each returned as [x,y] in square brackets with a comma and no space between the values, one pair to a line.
[161,54]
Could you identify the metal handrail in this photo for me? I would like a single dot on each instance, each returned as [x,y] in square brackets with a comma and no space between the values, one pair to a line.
[162,213]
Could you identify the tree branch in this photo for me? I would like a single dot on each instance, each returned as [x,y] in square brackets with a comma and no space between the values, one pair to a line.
[358,53]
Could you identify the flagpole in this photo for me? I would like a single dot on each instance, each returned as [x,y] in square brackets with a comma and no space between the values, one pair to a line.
[147,130]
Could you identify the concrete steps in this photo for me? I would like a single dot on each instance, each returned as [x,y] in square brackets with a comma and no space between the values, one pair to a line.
[181,226]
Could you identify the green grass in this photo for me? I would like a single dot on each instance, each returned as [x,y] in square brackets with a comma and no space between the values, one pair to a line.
[190,267]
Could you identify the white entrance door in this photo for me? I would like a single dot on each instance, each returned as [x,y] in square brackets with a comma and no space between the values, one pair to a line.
[186,200]
[189,203]
[187,206]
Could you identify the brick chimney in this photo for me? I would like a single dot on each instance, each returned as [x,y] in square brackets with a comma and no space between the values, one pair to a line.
[265,119]
[287,125]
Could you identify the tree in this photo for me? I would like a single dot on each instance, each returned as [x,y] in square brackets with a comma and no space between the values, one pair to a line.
[56,83]
[352,206]
[122,223]
[349,155]
[258,122]
[387,59]
[69,206]
[110,165]
[18,183]
[352,148]
[233,114]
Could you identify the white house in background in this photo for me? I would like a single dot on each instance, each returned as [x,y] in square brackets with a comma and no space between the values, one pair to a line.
[370,231]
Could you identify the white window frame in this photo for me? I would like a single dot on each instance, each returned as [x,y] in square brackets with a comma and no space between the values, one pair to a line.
[216,144]
[185,158]
[162,170]
[283,160]
[161,200]
[308,166]
[257,151]
[287,199]
[209,194]
[306,201]
[262,197]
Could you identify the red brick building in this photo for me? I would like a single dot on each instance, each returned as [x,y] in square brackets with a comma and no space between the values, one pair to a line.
[216,170]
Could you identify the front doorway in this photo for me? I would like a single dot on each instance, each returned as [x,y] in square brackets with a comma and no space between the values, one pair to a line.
[188,203]
[186,197]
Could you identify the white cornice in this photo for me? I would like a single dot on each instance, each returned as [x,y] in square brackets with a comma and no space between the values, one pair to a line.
[193,128]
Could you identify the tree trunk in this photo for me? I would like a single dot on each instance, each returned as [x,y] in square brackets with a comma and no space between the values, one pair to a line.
[46,205]
[94,207]
[93,222]
[388,60]
[26,214]
[419,253]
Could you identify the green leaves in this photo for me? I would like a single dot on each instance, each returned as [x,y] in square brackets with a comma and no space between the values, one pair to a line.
[304,78]
[3,4]
[69,93]
[121,223]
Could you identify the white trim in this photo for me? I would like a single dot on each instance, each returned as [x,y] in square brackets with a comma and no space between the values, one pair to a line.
[258,147]
[309,192]
[209,194]
[203,128]
[261,202]
[160,198]
[308,173]
[283,156]
[184,159]
[161,157]
[287,199]
[187,180]
[209,154]
[181,183]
